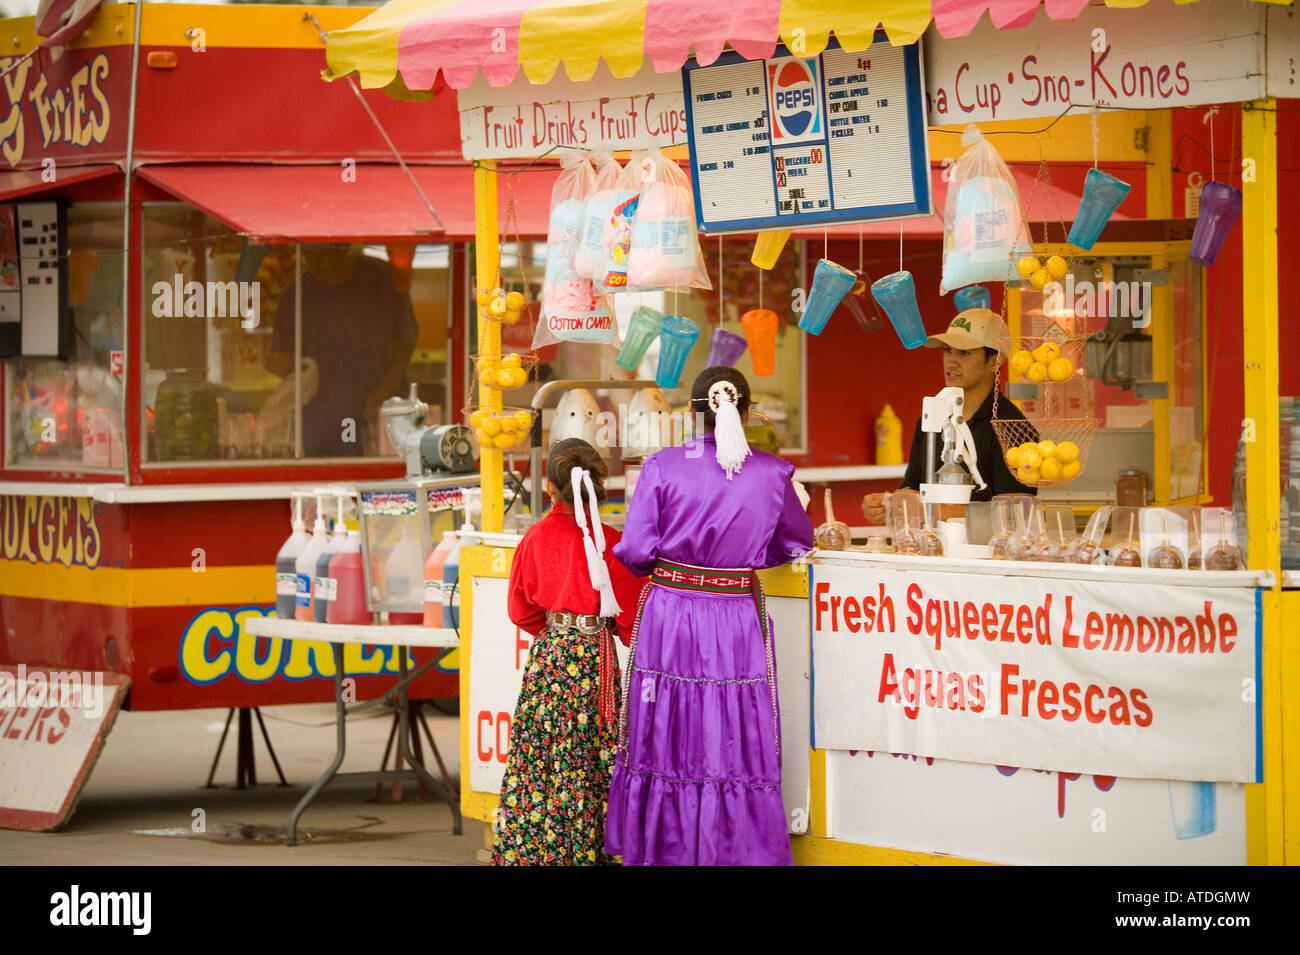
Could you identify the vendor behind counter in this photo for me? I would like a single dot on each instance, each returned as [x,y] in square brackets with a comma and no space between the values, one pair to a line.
[975,342]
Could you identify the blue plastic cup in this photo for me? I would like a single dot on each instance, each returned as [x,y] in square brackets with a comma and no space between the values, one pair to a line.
[830,284]
[972,296]
[1219,208]
[677,336]
[641,331]
[897,296]
[1102,194]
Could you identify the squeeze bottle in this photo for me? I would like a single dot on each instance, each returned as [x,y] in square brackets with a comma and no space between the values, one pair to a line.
[433,595]
[323,589]
[889,438]
[306,567]
[348,584]
[286,573]
[451,575]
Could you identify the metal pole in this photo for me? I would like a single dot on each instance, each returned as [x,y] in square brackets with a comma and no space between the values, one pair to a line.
[126,251]
[297,350]
[487,257]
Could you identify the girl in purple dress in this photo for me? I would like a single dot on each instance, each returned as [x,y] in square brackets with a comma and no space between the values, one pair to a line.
[697,777]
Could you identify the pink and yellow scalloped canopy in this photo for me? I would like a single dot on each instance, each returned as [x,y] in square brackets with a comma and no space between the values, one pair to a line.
[421,38]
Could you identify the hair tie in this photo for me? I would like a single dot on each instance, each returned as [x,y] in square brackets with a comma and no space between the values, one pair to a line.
[729,433]
[593,542]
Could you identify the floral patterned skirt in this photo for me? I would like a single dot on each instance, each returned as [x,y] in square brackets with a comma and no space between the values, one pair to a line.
[553,797]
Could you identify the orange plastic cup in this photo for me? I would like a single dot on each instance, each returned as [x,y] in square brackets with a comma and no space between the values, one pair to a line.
[760,327]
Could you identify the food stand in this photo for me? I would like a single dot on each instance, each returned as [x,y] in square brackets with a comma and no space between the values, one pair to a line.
[195,144]
[848,804]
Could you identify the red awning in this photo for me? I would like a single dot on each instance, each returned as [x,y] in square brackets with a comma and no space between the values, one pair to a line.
[24,182]
[284,203]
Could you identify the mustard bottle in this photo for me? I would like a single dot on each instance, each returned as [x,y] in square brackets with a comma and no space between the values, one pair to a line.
[889,438]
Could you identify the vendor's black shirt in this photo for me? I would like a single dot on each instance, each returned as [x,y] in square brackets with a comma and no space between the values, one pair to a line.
[988,453]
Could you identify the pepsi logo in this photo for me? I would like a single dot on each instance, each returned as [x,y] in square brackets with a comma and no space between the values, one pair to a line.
[793,86]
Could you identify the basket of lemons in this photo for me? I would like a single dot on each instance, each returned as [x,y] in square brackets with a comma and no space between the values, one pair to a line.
[504,372]
[501,430]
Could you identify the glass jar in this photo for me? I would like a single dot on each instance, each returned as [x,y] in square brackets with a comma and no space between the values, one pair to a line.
[1131,488]
[185,418]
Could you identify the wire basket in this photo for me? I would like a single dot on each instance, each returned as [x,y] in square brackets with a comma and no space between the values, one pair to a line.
[1015,434]
[492,370]
[492,428]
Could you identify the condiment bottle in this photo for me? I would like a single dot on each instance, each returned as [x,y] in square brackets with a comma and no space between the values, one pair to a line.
[433,572]
[305,567]
[323,592]
[348,583]
[889,438]
[286,565]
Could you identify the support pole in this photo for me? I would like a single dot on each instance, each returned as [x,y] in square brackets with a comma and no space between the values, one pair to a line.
[487,265]
[1259,278]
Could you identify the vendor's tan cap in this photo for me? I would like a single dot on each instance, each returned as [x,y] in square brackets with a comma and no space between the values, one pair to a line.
[974,328]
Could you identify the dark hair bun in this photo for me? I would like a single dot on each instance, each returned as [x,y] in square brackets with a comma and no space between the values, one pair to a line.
[707,379]
[575,453]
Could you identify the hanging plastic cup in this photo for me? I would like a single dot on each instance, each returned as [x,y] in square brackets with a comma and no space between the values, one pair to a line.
[972,296]
[861,306]
[897,296]
[760,327]
[641,331]
[830,284]
[1102,194]
[725,348]
[1220,206]
[677,336]
[768,246]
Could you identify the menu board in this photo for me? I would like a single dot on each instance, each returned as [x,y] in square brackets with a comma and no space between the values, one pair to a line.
[34,319]
[791,141]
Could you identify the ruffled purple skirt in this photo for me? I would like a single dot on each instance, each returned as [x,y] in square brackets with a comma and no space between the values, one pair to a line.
[697,778]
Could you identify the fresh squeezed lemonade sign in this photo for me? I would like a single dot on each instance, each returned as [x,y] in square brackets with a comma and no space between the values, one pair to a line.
[1119,679]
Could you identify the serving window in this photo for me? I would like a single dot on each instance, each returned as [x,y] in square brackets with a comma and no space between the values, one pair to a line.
[222,333]
[65,414]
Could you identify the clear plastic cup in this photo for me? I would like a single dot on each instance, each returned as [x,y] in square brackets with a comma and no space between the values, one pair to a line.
[1220,206]
[1102,194]
[760,327]
[863,309]
[641,331]
[768,246]
[725,348]
[831,282]
[897,296]
[677,336]
[972,296]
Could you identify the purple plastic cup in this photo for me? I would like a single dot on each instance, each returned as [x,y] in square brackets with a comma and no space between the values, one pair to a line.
[1219,209]
[725,348]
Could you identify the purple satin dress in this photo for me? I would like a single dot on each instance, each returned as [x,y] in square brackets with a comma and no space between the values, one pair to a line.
[697,781]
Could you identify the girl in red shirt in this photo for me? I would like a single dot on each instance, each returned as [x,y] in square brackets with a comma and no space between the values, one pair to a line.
[570,592]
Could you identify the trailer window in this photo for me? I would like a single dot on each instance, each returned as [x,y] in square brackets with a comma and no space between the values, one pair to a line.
[69,413]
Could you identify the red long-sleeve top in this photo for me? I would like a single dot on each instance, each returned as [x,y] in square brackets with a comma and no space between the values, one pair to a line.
[550,573]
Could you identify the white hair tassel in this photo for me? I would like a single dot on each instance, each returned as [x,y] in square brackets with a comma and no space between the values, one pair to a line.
[728,432]
[593,541]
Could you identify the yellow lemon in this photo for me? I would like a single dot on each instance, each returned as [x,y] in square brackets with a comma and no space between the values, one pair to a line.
[1039,279]
[520,377]
[1028,266]
[1013,458]
[489,377]
[477,418]
[1046,448]
[1037,372]
[523,420]
[514,360]
[1070,470]
[1030,458]
[1050,469]
[1067,451]
[508,425]
[1047,352]
[515,301]
[1029,476]
[1021,361]
[484,438]
[1056,267]
[492,427]
[1060,369]
[503,441]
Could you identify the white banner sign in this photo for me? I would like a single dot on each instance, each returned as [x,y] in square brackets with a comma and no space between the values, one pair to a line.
[522,120]
[1145,681]
[498,653]
[1160,56]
